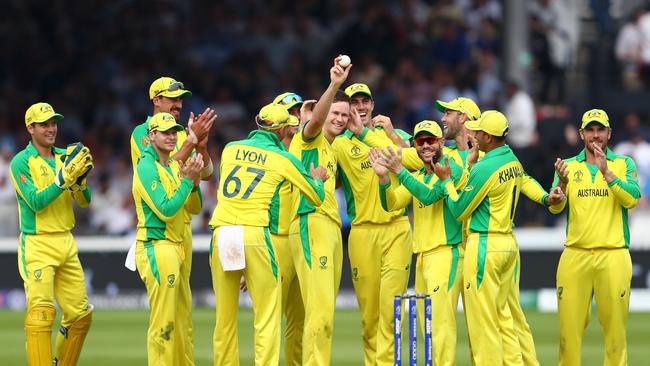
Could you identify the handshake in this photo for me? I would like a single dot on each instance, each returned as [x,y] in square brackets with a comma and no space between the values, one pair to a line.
[77,164]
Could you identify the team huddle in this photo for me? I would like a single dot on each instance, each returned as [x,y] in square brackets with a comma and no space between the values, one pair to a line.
[277,229]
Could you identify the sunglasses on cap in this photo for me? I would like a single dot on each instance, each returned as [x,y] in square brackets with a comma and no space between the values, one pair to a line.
[426,139]
[268,124]
[291,98]
[172,87]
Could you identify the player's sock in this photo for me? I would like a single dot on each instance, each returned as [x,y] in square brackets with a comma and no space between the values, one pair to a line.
[38,331]
[70,340]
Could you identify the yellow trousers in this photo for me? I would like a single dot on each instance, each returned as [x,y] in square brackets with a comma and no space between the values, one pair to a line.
[292,305]
[50,268]
[185,348]
[380,257]
[438,274]
[489,269]
[603,274]
[159,263]
[317,250]
[518,344]
[262,276]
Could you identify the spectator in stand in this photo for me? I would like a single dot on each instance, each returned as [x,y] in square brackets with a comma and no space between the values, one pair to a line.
[520,111]
[522,138]
[638,149]
[628,51]
[8,213]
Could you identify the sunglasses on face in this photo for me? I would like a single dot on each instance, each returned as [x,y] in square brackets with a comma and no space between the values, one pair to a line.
[426,139]
[173,87]
[291,98]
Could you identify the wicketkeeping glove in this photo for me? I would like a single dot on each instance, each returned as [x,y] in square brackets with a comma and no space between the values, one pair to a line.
[78,161]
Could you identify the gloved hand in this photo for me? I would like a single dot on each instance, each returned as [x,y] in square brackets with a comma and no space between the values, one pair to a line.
[80,183]
[77,162]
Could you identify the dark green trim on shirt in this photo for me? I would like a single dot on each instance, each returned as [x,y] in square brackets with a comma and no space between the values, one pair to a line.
[349,194]
[304,239]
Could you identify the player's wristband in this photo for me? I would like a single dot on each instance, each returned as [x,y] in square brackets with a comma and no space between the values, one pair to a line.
[207,171]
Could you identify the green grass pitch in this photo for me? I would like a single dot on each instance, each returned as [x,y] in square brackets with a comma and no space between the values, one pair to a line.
[118,338]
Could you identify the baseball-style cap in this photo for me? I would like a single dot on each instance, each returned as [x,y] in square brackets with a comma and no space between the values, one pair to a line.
[162,122]
[40,112]
[272,117]
[462,105]
[431,127]
[490,122]
[168,87]
[358,88]
[288,100]
[595,115]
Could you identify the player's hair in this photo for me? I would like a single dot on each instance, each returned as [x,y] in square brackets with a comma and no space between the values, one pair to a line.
[340,96]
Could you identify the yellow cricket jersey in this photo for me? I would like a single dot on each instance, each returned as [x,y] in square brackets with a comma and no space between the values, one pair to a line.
[140,140]
[359,181]
[319,152]
[433,223]
[597,215]
[252,172]
[160,194]
[43,207]
[490,197]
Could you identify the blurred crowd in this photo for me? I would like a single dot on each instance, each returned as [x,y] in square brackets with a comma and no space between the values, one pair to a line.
[94,60]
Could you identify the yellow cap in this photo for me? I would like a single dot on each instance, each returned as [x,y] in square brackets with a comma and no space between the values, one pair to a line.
[162,122]
[39,113]
[168,87]
[431,127]
[293,121]
[288,100]
[462,105]
[358,88]
[272,116]
[491,122]
[595,115]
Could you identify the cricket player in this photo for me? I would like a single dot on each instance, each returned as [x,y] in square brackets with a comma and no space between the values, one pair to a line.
[436,233]
[315,233]
[488,202]
[296,106]
[601,187]
[518,339]
[291,101]
[166,95]
[252,172]
[162,189]
[47,180]
[280,215]
[380,242]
